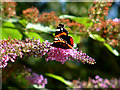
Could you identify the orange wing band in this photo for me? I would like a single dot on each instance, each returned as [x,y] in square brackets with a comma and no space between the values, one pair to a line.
[64,42]
[61,34]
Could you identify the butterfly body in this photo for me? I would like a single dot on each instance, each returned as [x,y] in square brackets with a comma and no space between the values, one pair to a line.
[62,40]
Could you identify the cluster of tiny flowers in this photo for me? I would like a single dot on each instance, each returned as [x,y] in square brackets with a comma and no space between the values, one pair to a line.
[98,82]
[36,79]
[112,32]
[12,48]
[62,55]
[52,19]
[98,10]
[8,8]
[31,14]
[49,19]
[109,30]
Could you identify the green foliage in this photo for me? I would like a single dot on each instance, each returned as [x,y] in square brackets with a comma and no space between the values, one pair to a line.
[76,38]
[46,36]
[12,88]
[100,39]
[97,37]
[23,22]
[82,20]
[61,79]
[20,79]
[9,29]
[66,16]
[39,27]
[34,35]
[114,51]
[44,32]
[13,20]
[0,32]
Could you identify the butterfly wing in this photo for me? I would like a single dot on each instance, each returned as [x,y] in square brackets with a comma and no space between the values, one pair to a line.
[62,40]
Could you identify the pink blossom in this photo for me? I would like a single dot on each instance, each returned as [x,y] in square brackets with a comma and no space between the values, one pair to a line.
[116,20]
[11,49]
[34,78]
[97,77]
[62,55]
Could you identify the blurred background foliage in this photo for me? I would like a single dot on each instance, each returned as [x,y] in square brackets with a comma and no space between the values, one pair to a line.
[70,8]
[107,64]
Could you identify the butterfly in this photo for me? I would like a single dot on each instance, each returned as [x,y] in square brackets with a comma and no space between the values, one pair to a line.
[61,39]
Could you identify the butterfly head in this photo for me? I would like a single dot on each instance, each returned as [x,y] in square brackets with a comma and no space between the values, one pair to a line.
[61,29]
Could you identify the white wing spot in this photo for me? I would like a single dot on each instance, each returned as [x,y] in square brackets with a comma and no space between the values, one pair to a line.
[61,28]
[58,30]
[56,39]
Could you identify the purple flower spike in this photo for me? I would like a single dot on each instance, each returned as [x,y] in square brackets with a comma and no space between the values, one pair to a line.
[12,48]
[39,80]
[98,82]
[62,55]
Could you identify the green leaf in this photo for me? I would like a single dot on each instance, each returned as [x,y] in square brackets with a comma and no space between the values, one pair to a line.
[0,32]
[82,20]
[11,20]
[46,36]
[66,16]
[34,35]
[76,38]
[114,51]
[23,22]
[97,37]
[12,88]
[21,81]
[40,27]
[8,29]
[59,78]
